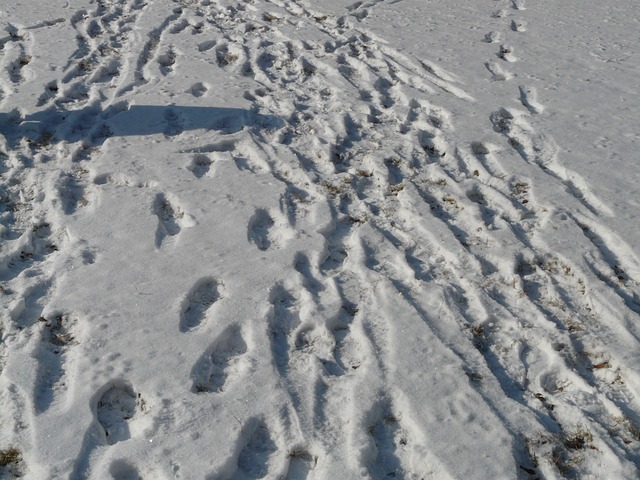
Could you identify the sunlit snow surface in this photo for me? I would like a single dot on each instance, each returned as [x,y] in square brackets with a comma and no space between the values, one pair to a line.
[319,240]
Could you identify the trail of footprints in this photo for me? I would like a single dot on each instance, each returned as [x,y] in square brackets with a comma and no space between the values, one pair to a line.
[513,196]
[96,62]
[436,148]
[353,166]
[224,358]
[33,244]
[540,150]
[517,127]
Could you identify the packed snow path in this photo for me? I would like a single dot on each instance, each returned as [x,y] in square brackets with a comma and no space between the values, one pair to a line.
[272,239]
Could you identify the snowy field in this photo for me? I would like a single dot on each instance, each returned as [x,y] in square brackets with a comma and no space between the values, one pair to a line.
[247,239]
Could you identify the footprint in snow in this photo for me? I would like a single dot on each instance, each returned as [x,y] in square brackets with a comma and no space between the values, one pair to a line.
[222,360]
[174,123]
[167,219]
[493,37]
[179,27]
[301,462]
[255,457]
[283,322]
[336,249]
[200,165]
[227,54]
[528,98]
[259,229]
[361,14]
[518,26]
[72,193]
[171,219]
[123,470]
[166,62]
[50,92]
[391,446]
[206,45]
[506,53]
[41,246]
[15,68]
[115,409]
[348,352]
[202,296]
[199,89]
[303,267]
[58,336]
[498,74]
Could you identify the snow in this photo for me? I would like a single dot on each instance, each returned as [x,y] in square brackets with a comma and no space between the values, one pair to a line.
[298,240]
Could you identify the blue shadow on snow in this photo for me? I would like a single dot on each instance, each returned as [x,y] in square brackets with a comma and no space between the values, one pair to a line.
[94,125]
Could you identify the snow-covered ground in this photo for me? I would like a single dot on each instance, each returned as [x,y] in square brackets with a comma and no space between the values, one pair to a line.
[282,239]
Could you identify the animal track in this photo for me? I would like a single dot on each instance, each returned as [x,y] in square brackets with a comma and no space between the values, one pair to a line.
[115,408]
[221,361]
[203,295]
